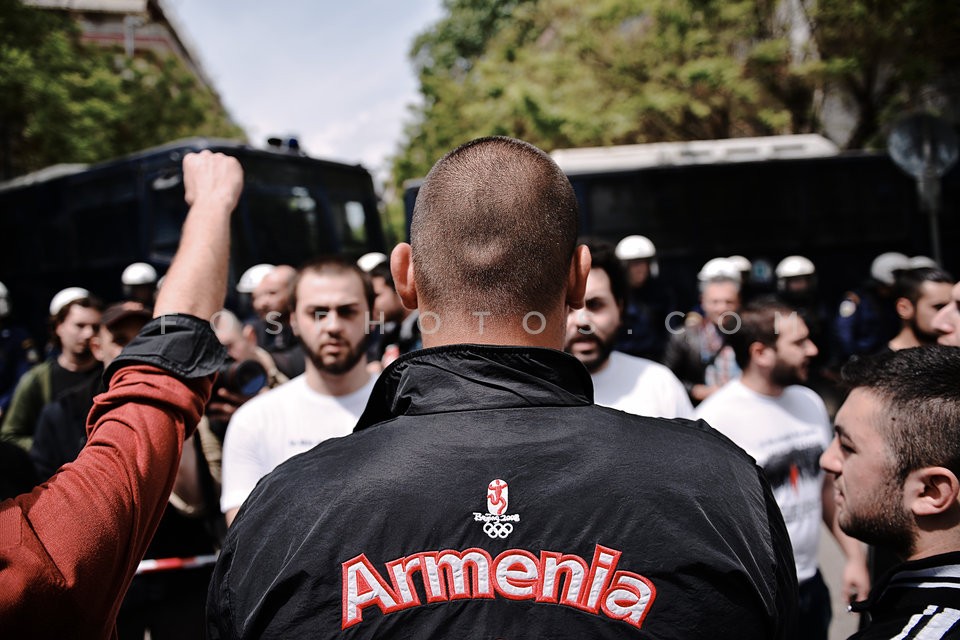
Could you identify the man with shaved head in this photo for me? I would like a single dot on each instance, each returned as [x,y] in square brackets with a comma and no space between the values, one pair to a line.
[482,493]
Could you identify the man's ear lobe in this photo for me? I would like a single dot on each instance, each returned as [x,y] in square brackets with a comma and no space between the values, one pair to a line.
[401,266]
[577,276]
[905,309]
[931,491]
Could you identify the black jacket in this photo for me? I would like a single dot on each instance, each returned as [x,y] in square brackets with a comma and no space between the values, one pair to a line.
[478,482]
[918,599]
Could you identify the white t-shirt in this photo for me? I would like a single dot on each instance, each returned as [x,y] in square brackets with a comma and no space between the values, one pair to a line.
[278,425]
[786,436]
[640,386]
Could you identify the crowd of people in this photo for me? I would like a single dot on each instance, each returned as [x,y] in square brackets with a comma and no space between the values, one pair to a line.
[492,418]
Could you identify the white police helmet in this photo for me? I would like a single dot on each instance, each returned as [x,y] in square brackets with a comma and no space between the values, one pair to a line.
[793,266]
[719,268]
[635,248]
[4,301]
[65,297]
[252,277]
[138,273]
[923,262]
[885,265]
[370,260]
[741,263]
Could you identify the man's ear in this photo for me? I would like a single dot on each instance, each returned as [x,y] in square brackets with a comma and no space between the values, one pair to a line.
[905,309]
[761,354]
[401,266]
[931,491]
[577,276]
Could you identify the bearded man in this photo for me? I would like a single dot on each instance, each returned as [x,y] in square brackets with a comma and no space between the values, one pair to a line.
[330,306]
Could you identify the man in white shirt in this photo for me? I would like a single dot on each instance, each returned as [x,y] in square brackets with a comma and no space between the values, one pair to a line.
[786,428]
[330,305]
[620,381]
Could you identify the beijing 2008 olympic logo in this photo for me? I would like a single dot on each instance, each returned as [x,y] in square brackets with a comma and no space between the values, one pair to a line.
[497,523]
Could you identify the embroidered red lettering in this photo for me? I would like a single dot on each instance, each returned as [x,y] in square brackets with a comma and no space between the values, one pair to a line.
[515,574]
[362,587]
[629,598]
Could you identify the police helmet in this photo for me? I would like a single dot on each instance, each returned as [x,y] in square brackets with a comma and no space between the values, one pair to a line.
[65,297]
[252,277]
[4,301]
[793,266]
[884,266]
[923,262]
[741,263]
[719,268]
[368,261]
[635,248]
[138,273]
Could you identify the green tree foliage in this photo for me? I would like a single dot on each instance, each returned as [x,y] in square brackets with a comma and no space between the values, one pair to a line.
[566,73]
[61,101]
[889,56]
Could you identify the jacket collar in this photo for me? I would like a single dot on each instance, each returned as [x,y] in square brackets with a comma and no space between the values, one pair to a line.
[467,376]
[940,570]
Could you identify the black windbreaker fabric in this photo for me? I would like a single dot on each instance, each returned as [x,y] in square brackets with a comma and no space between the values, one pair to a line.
[483,495]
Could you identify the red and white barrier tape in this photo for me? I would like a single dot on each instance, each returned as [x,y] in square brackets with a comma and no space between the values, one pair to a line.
[169,564]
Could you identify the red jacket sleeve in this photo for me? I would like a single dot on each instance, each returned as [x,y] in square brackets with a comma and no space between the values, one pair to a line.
[69,548]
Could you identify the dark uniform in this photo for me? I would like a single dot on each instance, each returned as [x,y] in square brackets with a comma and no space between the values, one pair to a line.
[865,321]
[484,495]
[919,599]
[17,355]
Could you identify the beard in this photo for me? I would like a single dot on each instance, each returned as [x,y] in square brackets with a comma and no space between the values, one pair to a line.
[882,522]
[785,375]
[924,337]
[343,362]
[602,351]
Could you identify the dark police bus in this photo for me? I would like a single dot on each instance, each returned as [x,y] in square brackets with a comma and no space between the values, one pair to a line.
[76,225]
[764,198]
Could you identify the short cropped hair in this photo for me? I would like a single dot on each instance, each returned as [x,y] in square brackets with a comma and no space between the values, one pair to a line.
[920,392]
[909,283]
[603,257]
[494,225]
[759,322]
[334,266]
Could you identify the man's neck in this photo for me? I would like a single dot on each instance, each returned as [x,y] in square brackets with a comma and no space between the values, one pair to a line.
[533,330]
[74,364]
[906,339]
[337,384]
[759,382]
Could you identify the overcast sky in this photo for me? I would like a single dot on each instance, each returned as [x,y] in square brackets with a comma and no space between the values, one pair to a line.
[334,74]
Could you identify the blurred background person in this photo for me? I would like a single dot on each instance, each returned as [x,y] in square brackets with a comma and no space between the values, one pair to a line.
[139,282]
[399,332]
[17,352]
[646,300]
[75,318]
[947,320]
[696,352]
[920,294]
[271,303]
[620,381]
[866,318]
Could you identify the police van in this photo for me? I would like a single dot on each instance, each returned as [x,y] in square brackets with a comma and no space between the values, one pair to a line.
[764,198]
[78,225]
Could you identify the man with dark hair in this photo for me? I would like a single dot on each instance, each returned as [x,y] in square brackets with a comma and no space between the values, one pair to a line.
[74,325]
[895,461]
[785,427]
[399,332]
[331,300]
[620,381]
[919,294]
[482,493]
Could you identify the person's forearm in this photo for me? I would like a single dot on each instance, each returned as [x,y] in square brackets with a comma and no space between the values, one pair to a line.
[197,280]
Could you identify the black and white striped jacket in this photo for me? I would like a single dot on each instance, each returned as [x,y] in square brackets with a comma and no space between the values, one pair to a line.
[919,599]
